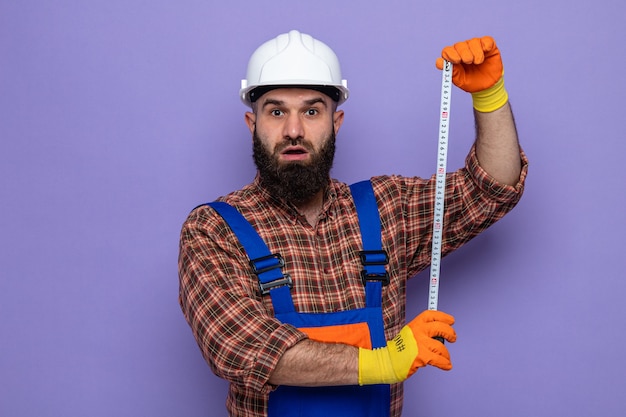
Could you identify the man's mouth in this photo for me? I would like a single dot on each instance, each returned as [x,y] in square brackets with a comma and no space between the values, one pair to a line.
[294,153]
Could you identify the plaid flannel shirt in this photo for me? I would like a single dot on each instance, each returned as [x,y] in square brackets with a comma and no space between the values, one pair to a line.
[234,325]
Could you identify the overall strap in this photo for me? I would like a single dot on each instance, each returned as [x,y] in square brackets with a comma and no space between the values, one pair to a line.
[374,274]
[266,266]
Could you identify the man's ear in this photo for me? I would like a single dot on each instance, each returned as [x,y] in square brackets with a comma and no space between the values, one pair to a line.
[337,120]
[250,121]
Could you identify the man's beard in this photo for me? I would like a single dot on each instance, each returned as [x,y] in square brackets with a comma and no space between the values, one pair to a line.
[295,182]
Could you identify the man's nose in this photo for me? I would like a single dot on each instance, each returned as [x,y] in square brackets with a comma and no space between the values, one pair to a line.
[294,128]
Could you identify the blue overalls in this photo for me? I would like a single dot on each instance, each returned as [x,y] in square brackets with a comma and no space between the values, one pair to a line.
[360,327]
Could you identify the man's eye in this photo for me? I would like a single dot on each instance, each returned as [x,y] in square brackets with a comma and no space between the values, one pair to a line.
[276,113]
[311,112]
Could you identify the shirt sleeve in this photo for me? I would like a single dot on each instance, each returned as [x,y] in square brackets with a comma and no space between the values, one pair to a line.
[218,293]
[473,201]
[508,194]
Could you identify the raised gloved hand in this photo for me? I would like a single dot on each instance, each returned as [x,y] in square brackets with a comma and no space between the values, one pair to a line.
[477,69]
[412,348]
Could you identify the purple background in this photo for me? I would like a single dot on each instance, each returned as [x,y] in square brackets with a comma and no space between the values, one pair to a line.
[117,117]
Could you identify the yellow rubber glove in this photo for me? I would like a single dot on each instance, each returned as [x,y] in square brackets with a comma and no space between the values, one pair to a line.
[412,348]
[477,69]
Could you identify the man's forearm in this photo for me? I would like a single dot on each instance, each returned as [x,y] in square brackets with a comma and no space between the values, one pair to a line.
[497,146]
[311,363]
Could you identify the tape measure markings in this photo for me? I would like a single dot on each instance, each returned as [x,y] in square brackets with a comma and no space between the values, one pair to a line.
[440,188]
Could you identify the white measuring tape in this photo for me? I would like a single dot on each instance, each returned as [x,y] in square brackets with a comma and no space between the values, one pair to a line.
[440,190]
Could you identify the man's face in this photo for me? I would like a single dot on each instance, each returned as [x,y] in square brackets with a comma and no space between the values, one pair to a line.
[294,141]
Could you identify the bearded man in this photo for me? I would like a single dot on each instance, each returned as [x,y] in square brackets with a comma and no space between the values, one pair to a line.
[326,335]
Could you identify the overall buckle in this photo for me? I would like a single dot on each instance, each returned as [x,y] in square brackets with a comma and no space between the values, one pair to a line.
[374,258]
[268,263]
[280,282]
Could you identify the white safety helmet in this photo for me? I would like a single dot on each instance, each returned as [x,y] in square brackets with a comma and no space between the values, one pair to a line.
[293,59]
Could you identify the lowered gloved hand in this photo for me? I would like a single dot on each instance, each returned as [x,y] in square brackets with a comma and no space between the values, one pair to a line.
[412,348]
[477,69]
